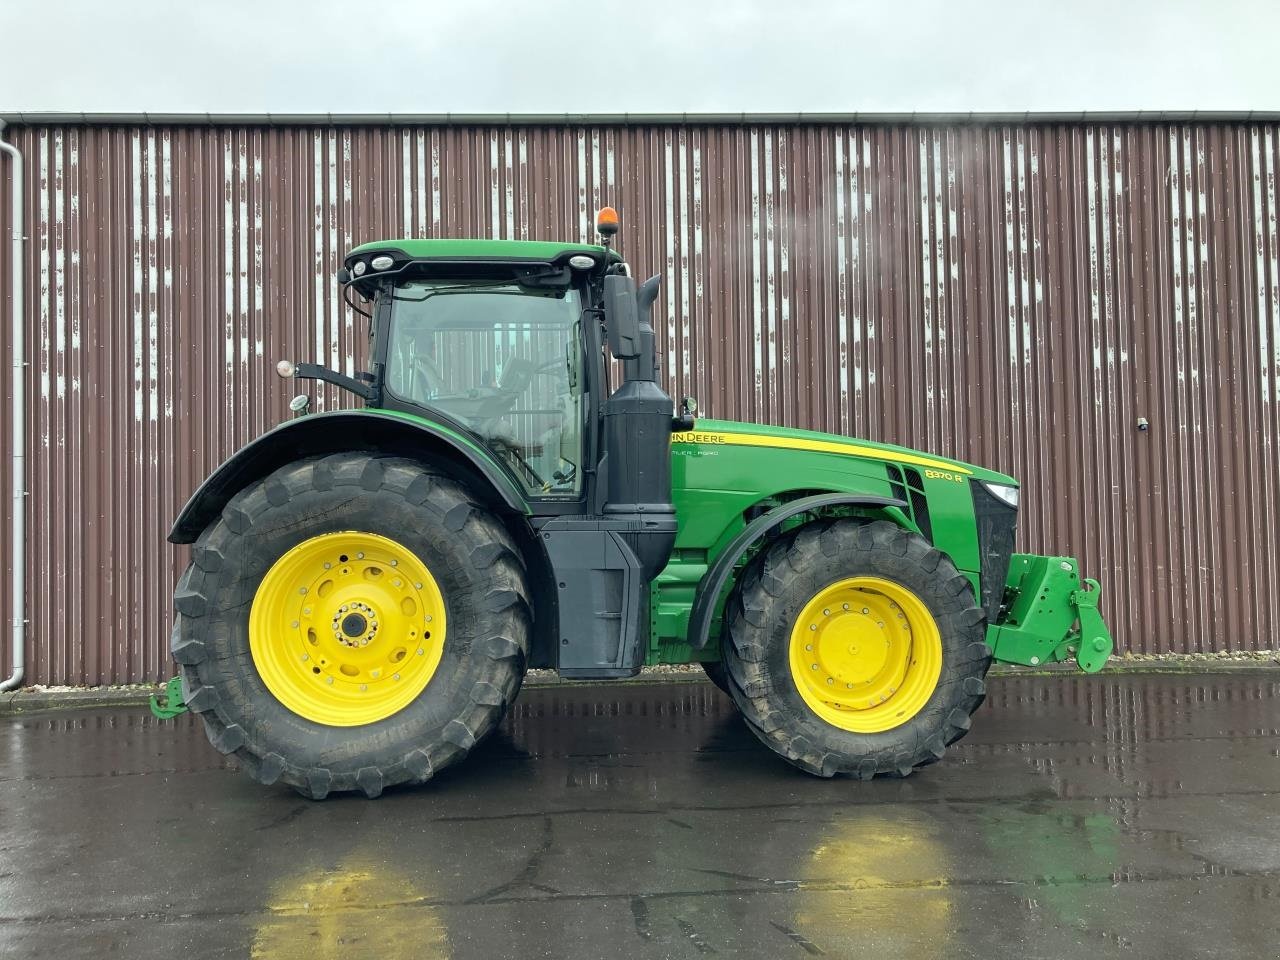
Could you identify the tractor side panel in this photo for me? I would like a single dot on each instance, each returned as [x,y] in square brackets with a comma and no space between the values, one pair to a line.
[714,484]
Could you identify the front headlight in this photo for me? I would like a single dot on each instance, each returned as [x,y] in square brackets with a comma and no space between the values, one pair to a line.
[1005,493]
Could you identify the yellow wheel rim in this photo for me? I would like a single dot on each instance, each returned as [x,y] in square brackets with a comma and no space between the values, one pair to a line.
[866,654]
[347,628]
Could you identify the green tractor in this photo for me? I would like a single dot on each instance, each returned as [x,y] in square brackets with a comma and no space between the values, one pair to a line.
[368,587]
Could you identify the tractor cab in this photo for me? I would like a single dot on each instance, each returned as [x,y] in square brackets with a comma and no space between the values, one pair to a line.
[500,360]
[501,340]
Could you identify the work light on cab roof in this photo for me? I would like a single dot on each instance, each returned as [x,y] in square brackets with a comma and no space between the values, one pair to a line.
[368,586]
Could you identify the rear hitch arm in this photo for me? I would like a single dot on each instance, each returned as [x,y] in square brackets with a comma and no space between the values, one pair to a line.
[168,704]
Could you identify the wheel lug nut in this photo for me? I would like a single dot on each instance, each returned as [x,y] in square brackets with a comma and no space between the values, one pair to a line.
[295,624]
[813,626]
[359,556]
[328,565]
[302,590]
[417,586]
[395,563]
[846,606]
[329,680]
[865,610]
[808,646]
[420,651]
[395,676]
[364,686]
[815,666]
[305,658]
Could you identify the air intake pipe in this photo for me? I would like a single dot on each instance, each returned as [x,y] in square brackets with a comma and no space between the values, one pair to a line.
[637,426]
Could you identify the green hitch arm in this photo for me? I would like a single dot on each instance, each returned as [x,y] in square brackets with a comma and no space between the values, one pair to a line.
[1094,643]
[1051,615]
[169,704]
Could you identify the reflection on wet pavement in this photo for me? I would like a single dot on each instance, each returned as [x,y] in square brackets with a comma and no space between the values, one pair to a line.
[1082,817]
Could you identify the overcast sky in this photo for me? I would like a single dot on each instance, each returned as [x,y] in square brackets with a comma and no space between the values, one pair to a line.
[359,56]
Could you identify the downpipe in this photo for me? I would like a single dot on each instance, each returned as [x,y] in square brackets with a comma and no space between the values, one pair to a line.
[18,466]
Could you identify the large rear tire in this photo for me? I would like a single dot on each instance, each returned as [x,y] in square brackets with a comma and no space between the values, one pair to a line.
[351,622]
[716,673]
[855,647]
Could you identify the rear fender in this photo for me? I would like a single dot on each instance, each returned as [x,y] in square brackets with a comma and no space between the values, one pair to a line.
[340,430]
[718,576]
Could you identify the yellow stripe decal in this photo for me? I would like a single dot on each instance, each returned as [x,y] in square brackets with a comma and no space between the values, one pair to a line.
[818,446]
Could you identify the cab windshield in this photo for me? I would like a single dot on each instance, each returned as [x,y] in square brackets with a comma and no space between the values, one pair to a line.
[501,360]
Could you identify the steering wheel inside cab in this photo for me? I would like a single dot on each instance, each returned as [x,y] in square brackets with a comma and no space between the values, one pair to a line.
[517,374]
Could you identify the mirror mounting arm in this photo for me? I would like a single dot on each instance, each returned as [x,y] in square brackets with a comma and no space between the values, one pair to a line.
[313,371]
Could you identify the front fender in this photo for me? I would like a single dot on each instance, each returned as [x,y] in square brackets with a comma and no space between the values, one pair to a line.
[339,430]
[717,577]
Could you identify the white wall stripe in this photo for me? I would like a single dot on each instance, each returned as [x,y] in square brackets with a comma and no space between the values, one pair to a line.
[138,181]
[770,277]
[842,280]
[684,243]
[318,277]
[786,381]
[669,253]
[59,256]
[924,203]
[495,204]
[153,293]
[422,187]
[406,184]
[757,300]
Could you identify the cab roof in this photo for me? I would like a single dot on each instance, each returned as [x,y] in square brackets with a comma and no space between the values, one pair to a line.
[539,251]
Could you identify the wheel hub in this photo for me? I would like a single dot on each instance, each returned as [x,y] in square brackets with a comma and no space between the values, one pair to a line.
[347,628]
[355,624]
[865,654]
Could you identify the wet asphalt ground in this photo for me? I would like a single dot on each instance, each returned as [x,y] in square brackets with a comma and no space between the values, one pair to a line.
[1122,815]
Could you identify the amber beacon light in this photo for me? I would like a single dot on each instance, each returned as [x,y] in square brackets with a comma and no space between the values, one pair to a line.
[607,221]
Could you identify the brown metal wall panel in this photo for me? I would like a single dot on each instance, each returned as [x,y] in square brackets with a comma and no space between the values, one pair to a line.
[1013,295]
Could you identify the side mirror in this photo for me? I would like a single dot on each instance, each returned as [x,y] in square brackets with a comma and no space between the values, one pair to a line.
[683,421]
[622,316]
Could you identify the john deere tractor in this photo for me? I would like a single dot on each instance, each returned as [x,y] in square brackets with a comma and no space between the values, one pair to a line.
[368,586]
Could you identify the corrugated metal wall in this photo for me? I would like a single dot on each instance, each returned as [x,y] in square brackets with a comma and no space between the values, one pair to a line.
[1013,295]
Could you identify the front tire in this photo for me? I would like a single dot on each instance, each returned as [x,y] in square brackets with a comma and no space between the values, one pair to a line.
[351,622]
[855,647]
